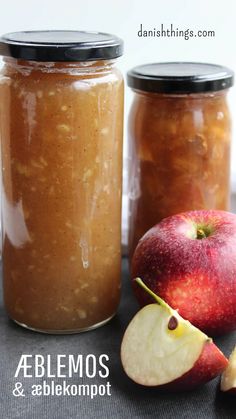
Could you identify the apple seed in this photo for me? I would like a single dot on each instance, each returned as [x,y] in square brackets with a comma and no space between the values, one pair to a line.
[173,323]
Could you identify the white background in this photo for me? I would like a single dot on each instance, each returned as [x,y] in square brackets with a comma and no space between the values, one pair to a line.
[124,17]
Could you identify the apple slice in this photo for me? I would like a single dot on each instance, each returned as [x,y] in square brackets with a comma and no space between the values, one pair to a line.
[160,348]
[228,379]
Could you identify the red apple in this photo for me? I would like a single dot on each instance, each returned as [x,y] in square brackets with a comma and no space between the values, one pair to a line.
[228,379]
[161,349]
[189,260]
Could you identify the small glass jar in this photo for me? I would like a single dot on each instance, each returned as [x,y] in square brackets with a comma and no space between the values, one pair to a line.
[61,128]
[179,142]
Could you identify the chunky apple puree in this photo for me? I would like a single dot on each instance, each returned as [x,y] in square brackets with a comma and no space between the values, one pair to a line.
[179,156]
[61,129]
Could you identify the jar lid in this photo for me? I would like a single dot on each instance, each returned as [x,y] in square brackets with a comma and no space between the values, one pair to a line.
[180,77]
[61,46]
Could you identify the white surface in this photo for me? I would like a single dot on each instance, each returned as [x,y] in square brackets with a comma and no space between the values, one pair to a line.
[123,17]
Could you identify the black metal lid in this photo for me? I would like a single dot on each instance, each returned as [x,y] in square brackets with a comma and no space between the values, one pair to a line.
[180,77]
[61,46]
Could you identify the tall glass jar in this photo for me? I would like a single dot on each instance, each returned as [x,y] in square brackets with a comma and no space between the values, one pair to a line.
[179,142]
[61,128]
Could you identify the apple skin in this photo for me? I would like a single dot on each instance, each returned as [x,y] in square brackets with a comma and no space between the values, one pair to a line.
[197,277]
[209,365]
[228,379]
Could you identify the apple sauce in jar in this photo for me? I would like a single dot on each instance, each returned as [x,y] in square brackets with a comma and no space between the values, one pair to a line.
[179,142]
[61,128]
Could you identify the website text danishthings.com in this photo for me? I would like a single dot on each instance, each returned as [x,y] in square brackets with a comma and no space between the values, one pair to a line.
[165,31]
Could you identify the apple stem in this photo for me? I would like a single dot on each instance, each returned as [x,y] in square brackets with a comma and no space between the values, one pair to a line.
[201,233]
[150,292]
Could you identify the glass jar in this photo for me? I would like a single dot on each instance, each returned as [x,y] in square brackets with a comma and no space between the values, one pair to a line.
[61,128]
[179,142]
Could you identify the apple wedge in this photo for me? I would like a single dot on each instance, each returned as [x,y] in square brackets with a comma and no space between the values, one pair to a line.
[160,348]
[228,379]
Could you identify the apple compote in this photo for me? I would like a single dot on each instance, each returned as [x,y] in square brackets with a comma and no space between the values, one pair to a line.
[179,142]
[61,129]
